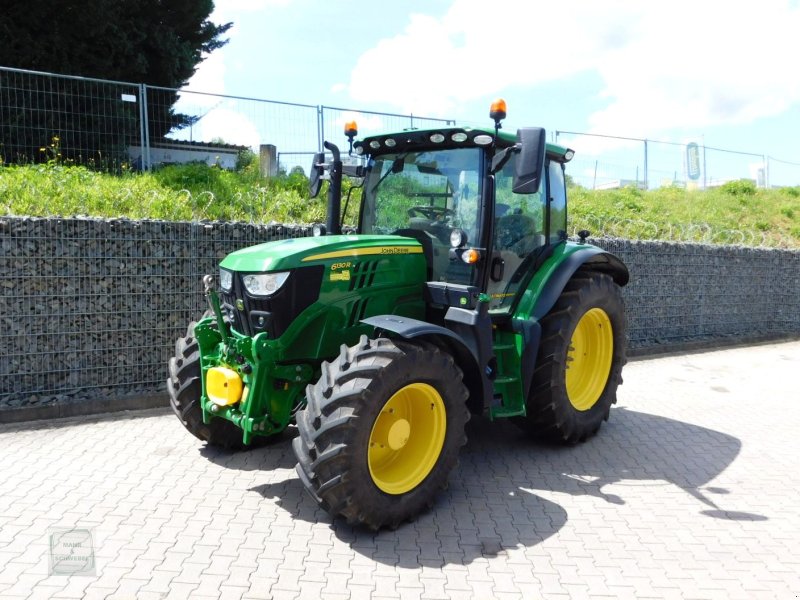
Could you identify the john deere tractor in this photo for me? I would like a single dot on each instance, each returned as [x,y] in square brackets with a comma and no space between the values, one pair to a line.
[457,294]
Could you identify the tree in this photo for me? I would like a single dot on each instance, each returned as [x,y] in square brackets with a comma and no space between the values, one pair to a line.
[157,42]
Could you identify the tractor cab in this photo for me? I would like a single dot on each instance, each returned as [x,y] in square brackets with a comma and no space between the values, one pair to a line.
[439,187]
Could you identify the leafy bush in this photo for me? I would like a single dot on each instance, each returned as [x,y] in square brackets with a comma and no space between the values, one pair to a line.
[794,192]
[740,187]
[246,161]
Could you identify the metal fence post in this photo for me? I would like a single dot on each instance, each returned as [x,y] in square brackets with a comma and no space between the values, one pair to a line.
[142,125]
[320,127]
[645,165]
[705,173]
[146,156]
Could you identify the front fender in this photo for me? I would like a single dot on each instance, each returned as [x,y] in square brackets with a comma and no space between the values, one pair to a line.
[479,386]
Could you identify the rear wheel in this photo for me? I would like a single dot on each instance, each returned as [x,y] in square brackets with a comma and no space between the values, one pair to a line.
[185,390]
[381,431]
[580,360]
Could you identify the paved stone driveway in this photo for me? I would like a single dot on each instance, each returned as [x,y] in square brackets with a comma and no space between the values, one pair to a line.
[692,490]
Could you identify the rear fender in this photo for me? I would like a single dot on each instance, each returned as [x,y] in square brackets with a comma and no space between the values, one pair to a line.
[592,257]
[547,285]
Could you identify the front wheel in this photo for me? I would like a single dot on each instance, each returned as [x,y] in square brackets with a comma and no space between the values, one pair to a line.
[381,431]
[580,360]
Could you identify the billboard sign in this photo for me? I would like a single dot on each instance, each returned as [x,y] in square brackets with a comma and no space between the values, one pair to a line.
[693,161]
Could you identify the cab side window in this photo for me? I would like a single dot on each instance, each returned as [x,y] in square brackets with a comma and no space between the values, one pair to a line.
[518,218]
[518,232]
[557,190]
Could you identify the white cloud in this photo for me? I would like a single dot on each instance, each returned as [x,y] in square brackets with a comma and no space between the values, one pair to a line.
[366,123]
[231,126]
[209,77]
[662,64]
[226,10]
[699,66]
[477,49]
[217,122]
[210,74]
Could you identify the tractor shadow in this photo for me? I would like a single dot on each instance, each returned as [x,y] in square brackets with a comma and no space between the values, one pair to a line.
[496,497]
[266,454]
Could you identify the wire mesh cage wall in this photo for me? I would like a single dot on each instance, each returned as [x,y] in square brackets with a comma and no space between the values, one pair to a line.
[682,293]
[91,307]
[71,120]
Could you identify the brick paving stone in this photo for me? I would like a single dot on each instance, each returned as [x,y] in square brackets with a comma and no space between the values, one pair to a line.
[231,592]
[128,588]
[280,594]
[684,493]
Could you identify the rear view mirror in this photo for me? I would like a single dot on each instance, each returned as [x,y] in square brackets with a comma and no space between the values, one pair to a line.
[315,174]
[530,160]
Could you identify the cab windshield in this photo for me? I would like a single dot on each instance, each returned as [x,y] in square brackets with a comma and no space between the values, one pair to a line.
[425,195]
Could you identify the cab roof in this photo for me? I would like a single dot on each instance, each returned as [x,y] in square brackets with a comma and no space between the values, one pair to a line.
[447,138]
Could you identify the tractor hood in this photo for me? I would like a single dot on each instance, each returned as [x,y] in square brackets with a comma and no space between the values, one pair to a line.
[293,253]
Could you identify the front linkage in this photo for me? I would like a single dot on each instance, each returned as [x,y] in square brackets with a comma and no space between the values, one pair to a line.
[242,379]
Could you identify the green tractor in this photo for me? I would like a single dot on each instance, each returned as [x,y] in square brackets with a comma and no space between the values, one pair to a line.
[457,294]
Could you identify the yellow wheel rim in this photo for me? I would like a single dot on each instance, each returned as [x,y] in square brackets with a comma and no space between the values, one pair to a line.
[407,438]
[589,359]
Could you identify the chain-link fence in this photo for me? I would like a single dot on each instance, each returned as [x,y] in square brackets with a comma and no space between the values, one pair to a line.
[113,125]
[238,121]
[69,119]
[608,162]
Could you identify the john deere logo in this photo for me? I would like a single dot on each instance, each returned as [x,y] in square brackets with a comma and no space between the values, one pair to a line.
[239,304]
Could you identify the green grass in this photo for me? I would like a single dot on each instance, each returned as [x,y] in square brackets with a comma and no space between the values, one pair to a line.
[177,193]
[736,213]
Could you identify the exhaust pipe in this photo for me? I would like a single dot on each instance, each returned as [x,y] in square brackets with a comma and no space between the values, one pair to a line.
[333,224]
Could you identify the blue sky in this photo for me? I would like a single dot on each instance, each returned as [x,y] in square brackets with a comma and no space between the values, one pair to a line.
[722,73]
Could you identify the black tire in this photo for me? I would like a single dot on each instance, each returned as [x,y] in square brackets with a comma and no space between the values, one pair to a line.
[551,412]
[339,427]
[185,389]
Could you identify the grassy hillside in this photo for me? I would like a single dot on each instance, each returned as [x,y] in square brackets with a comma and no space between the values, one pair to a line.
[736,213]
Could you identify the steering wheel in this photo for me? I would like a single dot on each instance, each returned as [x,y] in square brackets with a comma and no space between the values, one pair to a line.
[434,213]
[511,230]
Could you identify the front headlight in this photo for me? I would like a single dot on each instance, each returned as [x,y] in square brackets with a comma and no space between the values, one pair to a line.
[225,280]
[264,284]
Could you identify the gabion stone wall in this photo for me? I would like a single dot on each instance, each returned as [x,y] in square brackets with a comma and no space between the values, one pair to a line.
[91,308]
[688,293]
